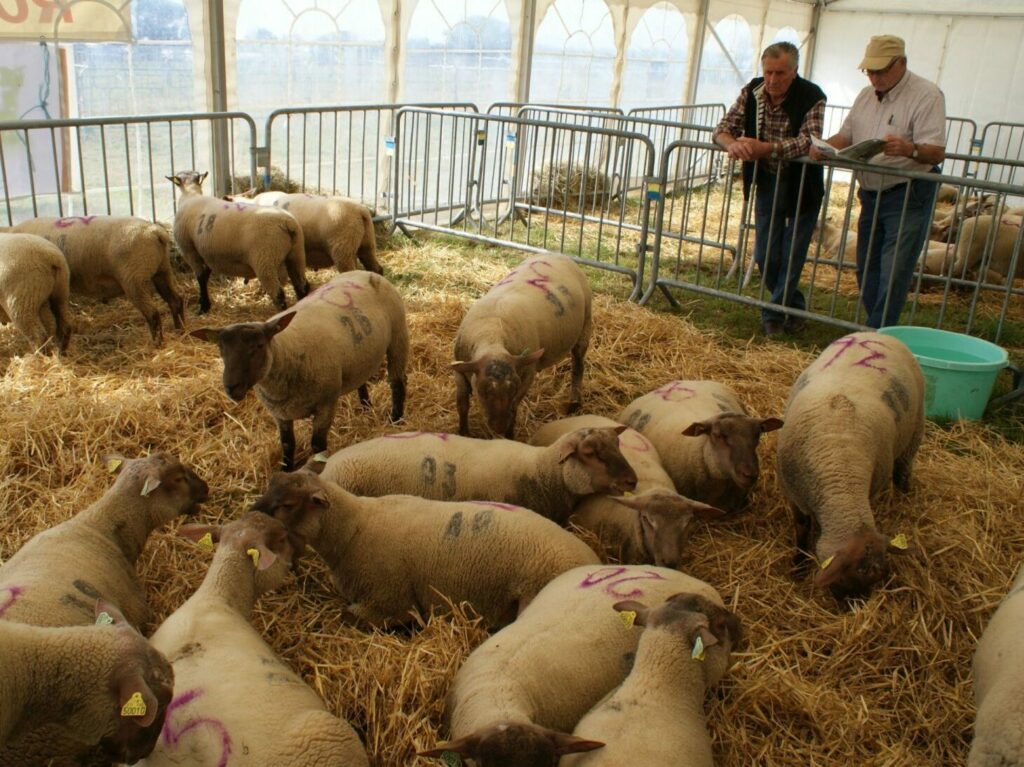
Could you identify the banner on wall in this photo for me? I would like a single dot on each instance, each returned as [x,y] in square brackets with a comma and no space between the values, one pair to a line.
[28,91]
[74,20]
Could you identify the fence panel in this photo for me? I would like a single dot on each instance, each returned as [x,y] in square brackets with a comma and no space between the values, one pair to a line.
[117,165]
[510,108]
[1006,141]
[534,185]
[707,115]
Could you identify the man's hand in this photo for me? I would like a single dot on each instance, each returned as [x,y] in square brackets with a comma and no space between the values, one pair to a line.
[897,147]
[749,149]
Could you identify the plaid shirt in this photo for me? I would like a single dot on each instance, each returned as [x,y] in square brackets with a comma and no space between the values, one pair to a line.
[774,126]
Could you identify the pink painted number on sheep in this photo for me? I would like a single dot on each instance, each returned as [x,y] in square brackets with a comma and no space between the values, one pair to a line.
[172,734]
[496,505]
[64,223]
[675,391]
[848,342]
[13,592]
[416,434]
[540,281]
[631,440]
[343,301]
[239,206]
[612,578]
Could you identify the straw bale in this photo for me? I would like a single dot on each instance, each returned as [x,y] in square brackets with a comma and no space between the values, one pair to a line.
[884,683]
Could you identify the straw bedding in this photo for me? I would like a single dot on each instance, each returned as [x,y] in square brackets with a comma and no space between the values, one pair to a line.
[886,683]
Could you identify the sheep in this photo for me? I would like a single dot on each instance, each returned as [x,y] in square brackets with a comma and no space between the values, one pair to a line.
[238,240]
[997,252]
[234,696]
[112,256]
[536,315]
[649,527]
[34,288]
[717,463]
[656,716]
[854,421]
[999,722]
[947,194]
[302,360]
[392,556]
[937,260]
[336,230]
[543,672]
[445,467]
[71,691]
[56,577]
[835,240]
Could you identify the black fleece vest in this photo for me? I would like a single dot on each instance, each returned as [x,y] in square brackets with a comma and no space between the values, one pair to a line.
[802,95]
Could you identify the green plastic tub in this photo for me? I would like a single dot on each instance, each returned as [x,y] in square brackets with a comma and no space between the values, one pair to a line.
[959,370]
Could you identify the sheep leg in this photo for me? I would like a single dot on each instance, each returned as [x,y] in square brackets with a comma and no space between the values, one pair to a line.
[287,432]
[397,399]
[271,284]
[804,527]
[901,468]
[203,278]
[397,357]
[164,285]
[463,390]
[322,420]
[141,298]
[579,351]
[364,397]
[298,280]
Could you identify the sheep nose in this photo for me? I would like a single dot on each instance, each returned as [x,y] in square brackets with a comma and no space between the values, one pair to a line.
[236,391]
[627,484]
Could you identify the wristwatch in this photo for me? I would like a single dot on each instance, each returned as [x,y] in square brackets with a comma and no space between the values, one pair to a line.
[913,155]
[775,151]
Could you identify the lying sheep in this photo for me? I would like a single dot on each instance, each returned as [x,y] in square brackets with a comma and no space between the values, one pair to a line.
[656,717]
[392,556]
[331,342]
[999,253]
[706,440]
[34,288]
[649,527]
[854,421]
[946,195]
[543,672]
[116,256]
[835,241]
[937,259]
[234,696]
[70,691]
[336,230]
[444,467]
[536,315]
[57,576]
[237,239]
[998,663]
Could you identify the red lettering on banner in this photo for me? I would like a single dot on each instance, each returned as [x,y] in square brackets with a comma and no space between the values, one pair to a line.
[20,12]
[47,7]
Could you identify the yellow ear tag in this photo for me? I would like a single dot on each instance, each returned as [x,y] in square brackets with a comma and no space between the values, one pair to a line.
[255,554]
[827,561]
[451,759]
[321,457]
[627,494]
[134,706]
[698,649]
[628,618]
[104,619]
[113,464]
[899,541]
[206,542]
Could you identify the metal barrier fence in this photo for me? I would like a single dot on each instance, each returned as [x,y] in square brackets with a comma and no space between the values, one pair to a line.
[117,165]
[347,143]
[510,108]
[701,242]
[555,190]
[708,115]
[1004,140]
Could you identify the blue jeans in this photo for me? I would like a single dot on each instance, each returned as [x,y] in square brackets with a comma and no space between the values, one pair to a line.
[886,260]
[775,237]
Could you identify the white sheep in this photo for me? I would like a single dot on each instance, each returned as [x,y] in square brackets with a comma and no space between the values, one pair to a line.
[536,315]
[237,239]
[303,360]
[446,467]
[997,670]
[656,716]
[34,289]
[651,526]
[706,440]
[336,230]
[57,576]
[235,701]
[854,421]
[112,256]
[1000,253]
[71,691]
[543,672]
[392,556]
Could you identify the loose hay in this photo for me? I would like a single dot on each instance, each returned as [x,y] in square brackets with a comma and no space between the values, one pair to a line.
[886,683]
[569,186]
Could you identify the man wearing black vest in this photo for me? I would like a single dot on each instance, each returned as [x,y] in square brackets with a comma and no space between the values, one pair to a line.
[771,122]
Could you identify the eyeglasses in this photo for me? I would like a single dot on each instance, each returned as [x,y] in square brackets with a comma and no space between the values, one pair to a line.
[880,72]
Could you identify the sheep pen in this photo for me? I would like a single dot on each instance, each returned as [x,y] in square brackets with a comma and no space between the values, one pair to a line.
[885,683]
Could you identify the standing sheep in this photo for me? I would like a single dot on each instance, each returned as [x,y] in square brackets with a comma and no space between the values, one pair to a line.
[330,343]
[536,315]
[543,672]
[113,256]
[237,239]
[236,702]
[649,527]
[392,556]
[706,440]
[56,578]
[336,230]
[998,666]
[547,480]
[656,717]
[854,421]
[34,288]
[67,691]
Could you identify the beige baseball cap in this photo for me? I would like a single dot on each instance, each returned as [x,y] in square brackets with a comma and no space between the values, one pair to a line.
[881,50]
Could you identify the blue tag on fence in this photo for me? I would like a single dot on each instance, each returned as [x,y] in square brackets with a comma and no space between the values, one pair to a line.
[481,137]
[510,140]
[389,145]
[653,190]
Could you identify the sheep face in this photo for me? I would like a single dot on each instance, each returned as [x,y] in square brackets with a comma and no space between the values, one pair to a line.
[501,382]
[857,567]
[189,182]
[521,744]
[246,351]
[733,440]
[296,500]
[592,462]
[171,487]
[665,519]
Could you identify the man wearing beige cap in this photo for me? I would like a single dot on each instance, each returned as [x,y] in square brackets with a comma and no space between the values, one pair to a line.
[909,114]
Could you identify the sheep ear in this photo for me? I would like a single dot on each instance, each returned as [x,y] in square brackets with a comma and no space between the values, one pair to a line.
[196,532]
[151,484]
[770,424]
[174,180]
[202,177]
[107,614]
[466,746]
[319,498]
[630,501]
[706,513]
[531,358]
[618,429]
[113,462]
[569,448]
[632,606]
[262,556]
[466,368]
[206,334]
[272,327]
[136,700]
[696,429]
[570,744]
